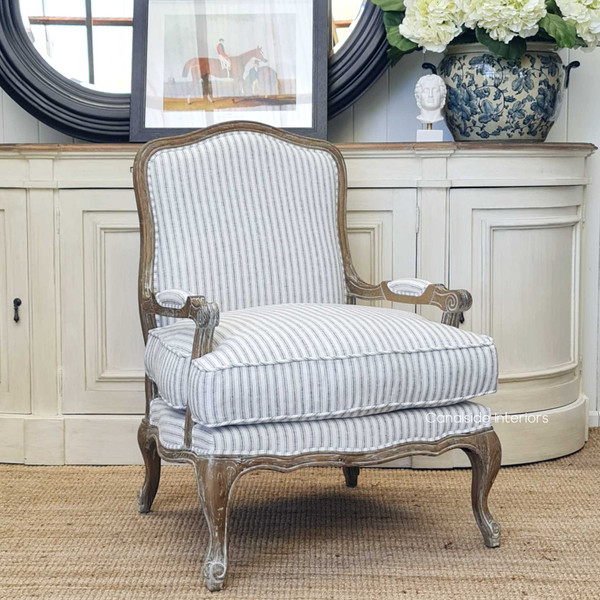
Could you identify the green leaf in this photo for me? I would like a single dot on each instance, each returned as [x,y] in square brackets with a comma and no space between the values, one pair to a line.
[393,5]
[558,29]
[514,50]
[391,21]
[552,7]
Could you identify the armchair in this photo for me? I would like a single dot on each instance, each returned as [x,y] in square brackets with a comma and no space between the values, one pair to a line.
[275,365]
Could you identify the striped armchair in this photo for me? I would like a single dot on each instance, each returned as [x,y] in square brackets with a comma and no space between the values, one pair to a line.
[257,355]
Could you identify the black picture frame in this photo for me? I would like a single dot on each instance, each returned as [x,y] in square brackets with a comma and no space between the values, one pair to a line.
[139,132]
[102,117]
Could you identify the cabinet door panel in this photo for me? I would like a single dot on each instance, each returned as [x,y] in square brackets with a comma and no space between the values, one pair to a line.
[382,235]
[517,251]
[14,337]
[102,345]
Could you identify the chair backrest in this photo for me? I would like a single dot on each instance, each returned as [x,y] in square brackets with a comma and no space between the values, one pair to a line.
[243,214]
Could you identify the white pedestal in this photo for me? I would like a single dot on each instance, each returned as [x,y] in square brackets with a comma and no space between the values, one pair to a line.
[430,135]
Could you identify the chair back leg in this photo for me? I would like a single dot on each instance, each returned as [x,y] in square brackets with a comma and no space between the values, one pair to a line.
[351,476]
[484,453]
[216,478]
[149,451]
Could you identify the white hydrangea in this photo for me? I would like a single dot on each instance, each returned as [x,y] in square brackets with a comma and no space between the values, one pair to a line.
[432,24]
[505,19]
[585,15]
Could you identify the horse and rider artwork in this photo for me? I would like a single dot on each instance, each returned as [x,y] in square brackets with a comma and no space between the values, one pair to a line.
[254,81]
[233,69]
[201,62]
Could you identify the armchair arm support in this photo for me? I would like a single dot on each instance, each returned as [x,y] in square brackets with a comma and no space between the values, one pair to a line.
[453,303]
[180,305]
[172,304]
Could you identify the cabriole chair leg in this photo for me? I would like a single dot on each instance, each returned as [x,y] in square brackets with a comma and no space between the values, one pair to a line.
[152,461]
[215,483]
[351,476]
[485,455]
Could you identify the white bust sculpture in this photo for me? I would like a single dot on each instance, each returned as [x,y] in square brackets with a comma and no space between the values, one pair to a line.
[430,93]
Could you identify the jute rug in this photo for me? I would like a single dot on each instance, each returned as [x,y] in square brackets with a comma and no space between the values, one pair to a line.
[73,533]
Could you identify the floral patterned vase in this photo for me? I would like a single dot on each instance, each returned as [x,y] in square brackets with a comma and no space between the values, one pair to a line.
[492,98]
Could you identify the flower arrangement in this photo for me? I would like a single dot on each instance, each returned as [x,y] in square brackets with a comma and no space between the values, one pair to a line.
[503,26]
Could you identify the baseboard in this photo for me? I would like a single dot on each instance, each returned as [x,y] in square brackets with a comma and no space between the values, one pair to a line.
[528,437]
[70,439]
[112,439]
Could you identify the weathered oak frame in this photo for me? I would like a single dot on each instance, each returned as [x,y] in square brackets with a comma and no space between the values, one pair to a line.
[216,475]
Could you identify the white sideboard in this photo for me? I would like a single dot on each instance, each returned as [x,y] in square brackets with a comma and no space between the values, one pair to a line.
[504,221]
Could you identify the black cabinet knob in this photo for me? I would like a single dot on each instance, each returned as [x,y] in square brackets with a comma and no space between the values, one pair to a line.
[16,303]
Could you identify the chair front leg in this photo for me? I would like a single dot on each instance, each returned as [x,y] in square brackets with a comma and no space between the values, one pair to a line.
[485,455]
[149,451]
[215,483]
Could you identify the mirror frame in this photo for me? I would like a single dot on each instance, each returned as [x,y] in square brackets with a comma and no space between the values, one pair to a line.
[102,117]
[359,63]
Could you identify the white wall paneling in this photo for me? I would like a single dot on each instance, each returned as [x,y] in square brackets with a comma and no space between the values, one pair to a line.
[19,127]
[583,119]
[70,251]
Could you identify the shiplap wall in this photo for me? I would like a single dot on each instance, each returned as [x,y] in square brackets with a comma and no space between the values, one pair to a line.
[386,113]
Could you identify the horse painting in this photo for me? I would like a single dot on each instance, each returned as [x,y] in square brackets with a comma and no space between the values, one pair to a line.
[203,68]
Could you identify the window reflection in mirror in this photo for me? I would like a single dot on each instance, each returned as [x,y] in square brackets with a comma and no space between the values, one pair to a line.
[87,41]
[344,16]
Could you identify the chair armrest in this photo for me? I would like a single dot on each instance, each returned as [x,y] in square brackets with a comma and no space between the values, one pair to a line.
[415,291]
[179,305]
[419,291]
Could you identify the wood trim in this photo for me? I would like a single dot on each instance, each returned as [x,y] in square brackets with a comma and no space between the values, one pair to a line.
[479,146]
[97,21]
[400,146]
[343,24]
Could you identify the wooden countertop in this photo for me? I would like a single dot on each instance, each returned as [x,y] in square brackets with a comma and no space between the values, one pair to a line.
[407,147]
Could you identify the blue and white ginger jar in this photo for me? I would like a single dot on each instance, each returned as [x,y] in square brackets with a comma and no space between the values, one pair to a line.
[495,99]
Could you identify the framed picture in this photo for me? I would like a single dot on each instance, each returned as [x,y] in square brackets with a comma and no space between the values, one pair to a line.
[201,62]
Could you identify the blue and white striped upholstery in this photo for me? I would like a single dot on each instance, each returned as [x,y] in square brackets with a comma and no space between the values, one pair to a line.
[246,219]
[357,434]
[295,362]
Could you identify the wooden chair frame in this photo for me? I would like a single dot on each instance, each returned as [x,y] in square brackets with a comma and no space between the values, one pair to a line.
[216,475]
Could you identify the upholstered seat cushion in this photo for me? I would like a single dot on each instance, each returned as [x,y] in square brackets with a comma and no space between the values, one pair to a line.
[357,434]
[294,362]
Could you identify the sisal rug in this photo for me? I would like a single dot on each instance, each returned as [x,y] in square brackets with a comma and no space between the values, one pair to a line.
[73,533]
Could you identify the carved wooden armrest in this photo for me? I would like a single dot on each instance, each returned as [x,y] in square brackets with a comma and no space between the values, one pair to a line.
[204,313]
[416,291]
[419,291]
[180,305]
